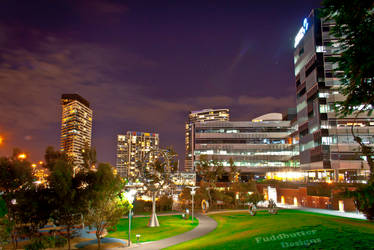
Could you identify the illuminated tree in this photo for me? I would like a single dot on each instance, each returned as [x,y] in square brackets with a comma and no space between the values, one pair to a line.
[106,204]
[156,176]
[210,172]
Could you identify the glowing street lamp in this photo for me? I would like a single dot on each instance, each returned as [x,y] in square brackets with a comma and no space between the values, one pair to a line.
[22,156]
[193,192]
[130,196]
[1,140]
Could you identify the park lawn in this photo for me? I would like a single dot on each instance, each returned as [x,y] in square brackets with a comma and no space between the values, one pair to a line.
[169,226]
[265,231]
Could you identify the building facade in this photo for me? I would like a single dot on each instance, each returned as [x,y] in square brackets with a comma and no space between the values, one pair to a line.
[76,126]
[133,147]
[266,144]
[196,117]
[327,149]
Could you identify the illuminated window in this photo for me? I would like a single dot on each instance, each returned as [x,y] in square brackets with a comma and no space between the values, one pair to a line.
[320,49]
[326,140]
[325,124]
[323,108]
[323,95]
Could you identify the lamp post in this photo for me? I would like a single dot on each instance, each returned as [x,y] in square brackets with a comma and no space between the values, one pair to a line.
[193,192]
[22,156]
[130,195]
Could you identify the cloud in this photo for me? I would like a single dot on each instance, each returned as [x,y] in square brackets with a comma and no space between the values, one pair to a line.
[213,101]
[268,101]
[32,82]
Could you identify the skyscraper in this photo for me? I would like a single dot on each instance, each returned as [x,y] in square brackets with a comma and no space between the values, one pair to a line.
[76,126]
[327,147]
[195,117]
[133,147]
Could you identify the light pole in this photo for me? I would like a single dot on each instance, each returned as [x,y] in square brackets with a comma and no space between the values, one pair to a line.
[130,195]
[193,192]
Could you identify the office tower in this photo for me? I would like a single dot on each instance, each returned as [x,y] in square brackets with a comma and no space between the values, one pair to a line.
[133,147]
[196,117]
[266,144]
[327,148]
[76,126]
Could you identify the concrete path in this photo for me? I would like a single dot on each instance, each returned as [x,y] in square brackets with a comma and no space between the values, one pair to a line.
[206,225]
[326,211]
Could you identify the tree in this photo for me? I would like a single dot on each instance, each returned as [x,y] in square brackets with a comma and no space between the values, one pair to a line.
[210,172]
[234,172]
[68,196]
[15,177]
[106,205]
[156,176]
[33,209]
[89,157]
[51,157]
[354,31]
[5,230]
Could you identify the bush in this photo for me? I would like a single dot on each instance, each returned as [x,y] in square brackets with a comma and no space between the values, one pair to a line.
[364,199]
[165,203]
[46,242]
[60,242]
[255,198]
[35,245]
[142,206]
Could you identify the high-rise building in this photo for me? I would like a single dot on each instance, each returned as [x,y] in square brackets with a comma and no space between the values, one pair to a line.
[76,126]
[133,147]
[327,147]
[266,144]
[196,117]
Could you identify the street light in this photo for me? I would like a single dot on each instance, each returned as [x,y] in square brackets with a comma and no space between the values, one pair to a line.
[1,140]
[22,156]
[193,192]
[130,195]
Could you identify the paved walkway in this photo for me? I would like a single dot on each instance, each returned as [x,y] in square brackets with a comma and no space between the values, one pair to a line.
[326,211]
[206,225]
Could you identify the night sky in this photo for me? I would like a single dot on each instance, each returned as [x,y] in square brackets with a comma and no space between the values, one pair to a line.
[142,65]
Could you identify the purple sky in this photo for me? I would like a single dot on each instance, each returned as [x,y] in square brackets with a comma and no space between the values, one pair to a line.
[143,65]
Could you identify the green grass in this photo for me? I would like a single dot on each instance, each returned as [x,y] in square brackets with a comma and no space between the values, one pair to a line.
[169,226]
[309,230]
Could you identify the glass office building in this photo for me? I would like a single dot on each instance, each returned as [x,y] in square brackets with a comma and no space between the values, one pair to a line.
[194,117]
[266,144]
[327,149]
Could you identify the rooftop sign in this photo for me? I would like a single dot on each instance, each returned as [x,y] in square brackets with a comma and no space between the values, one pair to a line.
[301,32]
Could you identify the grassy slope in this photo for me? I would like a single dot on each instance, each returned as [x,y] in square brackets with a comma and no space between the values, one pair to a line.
[169,226]
[240,231]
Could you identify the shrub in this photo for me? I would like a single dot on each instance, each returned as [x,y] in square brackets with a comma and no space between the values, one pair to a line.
[364,199]
[46,242]
[255,198]
[165,203]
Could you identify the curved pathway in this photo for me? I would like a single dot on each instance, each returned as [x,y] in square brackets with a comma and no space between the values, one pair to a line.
[206,225]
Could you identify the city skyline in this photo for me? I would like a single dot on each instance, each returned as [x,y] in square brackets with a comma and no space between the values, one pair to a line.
[134,79]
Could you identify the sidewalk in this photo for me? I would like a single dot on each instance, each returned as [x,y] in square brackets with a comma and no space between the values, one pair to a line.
[149,215]
[206,225]
[325,211]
